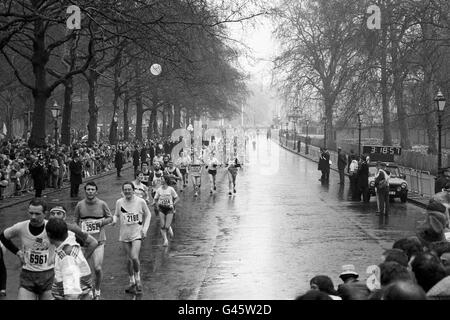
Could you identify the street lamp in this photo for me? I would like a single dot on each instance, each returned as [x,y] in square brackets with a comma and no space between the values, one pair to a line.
[359,129]
[325,132]
[440,104]
[116,127]
[190,128]
[56,110]
[307,138]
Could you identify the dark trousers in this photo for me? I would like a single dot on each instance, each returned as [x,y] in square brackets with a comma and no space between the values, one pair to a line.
[354,187]
[341,176]
[364,191]
[135,170]
[3,274]
[74,189]
[383,198]
[38,193]
[118,171]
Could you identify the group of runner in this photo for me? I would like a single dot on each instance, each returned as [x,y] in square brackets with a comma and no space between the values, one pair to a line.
[61,260]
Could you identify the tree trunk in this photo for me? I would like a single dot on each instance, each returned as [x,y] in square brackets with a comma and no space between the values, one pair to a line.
[114,125]
[93,108]
[387,138]
[405,143]
[165,121]
[41,93]
[126,126]
[139,107]
[67,112]
[153,126]
[177,117]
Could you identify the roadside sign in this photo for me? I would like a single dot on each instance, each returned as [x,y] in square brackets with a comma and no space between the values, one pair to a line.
[382,153]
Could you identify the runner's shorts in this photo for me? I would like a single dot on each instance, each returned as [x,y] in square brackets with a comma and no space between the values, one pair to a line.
[37,281]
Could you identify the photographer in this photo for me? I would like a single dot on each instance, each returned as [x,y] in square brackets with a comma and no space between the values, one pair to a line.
[38,173]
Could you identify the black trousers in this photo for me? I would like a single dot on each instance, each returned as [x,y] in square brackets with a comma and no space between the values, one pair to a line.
[341,176]
[38,193]
[383,198]
[118,171]
[74,189]
[3,274]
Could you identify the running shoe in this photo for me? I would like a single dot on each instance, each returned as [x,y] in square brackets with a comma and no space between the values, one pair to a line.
[210,191]
[131,289]
[229,193]
[234,190]
[138,288]
[214,188]
[196,194]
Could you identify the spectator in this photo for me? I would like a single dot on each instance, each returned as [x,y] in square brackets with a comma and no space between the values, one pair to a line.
[349,274]
[314,295]
[342,163]
[410,245]
[118,161]
[363,180]
[428,270]
[392,271]
[382,187]
[403,290]
[136,158]
[396,255]
[433,228]
[38,173]
[76,170]
[324,284]
[441,181]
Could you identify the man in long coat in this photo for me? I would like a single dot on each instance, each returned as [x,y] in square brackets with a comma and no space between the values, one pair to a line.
[118,161]
[76,169]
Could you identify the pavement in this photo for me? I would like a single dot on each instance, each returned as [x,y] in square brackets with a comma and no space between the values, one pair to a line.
[25,197]
[417,199]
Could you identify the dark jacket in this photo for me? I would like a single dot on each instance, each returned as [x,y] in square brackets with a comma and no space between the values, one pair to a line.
[118,160]
[76,168]
[324,161]
[136,158]
[342,161]
[143,154]
[363,174]
[38,173]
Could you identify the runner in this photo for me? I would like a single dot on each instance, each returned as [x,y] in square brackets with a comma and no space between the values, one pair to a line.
[148,174]
[134,222]
[173,173]
[165,199]
[183,163]
[158,158]
[165,163]
[196,174]
[156,181]
[92,214]
[83,238]
[36,255]
[72,279]
[212,171]
[140,189]
[233,167]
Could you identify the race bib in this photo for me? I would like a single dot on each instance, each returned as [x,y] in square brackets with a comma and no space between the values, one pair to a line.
[165,201]
[145,178]
[131,218]
[38,258]
[91,226]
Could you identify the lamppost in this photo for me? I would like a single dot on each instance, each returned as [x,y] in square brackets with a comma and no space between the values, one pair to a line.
[359,133]
[190,128]
[116,127]
[56,110]
[307,138]
[440,104]
[324,131]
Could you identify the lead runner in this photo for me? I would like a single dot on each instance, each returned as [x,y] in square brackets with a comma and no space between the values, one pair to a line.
[92,215]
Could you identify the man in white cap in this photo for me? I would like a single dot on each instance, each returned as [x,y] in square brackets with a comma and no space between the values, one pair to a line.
[349,274]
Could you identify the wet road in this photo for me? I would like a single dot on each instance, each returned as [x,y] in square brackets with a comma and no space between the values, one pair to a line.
[281,228]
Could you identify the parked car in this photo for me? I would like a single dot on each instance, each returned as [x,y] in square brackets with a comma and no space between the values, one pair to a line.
[398,187]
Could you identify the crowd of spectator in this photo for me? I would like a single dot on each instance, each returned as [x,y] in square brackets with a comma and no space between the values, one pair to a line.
[415,268]
[32,170]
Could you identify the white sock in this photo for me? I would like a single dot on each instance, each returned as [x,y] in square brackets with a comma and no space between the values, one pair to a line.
[137,276]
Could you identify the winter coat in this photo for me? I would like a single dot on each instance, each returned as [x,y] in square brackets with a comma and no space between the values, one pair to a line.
[136,158]
[76,169]
[363,174]
[38,173]
[118,160]
[342,161]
